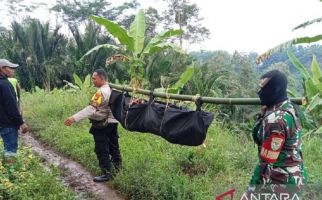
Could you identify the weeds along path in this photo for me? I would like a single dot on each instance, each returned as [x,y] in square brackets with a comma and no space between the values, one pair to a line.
[75,176]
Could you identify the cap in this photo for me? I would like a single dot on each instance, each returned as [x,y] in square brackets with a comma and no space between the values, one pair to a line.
[7,63]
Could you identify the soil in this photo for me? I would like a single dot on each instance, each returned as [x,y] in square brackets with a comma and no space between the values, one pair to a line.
[74,175]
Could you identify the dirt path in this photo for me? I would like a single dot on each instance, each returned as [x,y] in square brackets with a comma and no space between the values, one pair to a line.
[75,176]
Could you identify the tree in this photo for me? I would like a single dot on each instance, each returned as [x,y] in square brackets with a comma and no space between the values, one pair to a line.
[164,68]
[313,91]
[40,51]
[186,16]
[152,20]
[134,50]
[245,75]
[77,12]
[83,43]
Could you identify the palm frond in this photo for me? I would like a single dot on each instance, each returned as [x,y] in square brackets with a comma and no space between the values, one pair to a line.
[98,47]
[307,23]
[301,40]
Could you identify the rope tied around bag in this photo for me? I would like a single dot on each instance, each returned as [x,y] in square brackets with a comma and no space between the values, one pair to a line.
[168,99]
[123,88]
[198,101]
[151,96]
[134,89]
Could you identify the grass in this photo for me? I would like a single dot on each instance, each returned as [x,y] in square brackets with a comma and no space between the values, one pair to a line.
[28,179]
[154,168]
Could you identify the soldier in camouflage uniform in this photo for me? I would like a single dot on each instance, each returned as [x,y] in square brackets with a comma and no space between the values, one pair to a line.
[278,136]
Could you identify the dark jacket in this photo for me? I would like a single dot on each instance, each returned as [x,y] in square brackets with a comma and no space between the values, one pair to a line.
[9,111]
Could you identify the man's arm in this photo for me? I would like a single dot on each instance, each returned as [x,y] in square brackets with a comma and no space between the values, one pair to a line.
[273,143]
[86,113]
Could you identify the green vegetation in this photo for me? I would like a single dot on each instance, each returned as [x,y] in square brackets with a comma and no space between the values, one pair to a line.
[154,168]
[28,179]
[133,42]
[313,91]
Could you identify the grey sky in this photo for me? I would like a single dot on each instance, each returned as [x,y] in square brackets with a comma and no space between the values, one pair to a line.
[242,25]
[254,25]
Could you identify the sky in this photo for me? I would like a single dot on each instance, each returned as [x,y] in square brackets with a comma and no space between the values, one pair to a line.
[253,25]
[244,25]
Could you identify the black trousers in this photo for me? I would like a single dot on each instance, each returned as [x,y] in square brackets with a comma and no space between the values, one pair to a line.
[107,146]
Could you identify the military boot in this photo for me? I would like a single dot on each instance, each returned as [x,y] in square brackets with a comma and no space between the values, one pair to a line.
[105,176]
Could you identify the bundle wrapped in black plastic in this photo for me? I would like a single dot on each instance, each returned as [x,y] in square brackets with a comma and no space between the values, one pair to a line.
[177,125]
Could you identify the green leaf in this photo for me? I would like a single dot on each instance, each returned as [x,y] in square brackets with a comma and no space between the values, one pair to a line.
[108,46]
[298,65]
[319,87]
[162,46]
[307,40]
[137,32]
[310,88]
[318,131]
[87,81]
[173,90]
[185,77]
[165,35]
[286,45]
[316,71]
[316,101]
[70,85]
[159,38]
[77,80]
[291,93]
[115,30]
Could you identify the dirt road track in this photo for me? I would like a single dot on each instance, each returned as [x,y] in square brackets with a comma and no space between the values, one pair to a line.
[75,176]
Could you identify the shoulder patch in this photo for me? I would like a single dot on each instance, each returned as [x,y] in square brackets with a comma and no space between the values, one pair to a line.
[272,147]
[276,143]
[97,99]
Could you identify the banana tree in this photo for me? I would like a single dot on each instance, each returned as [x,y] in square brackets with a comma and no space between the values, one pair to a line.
[312,83]
[178,86]
[83,86]
[33,44]
[285,45]
[134,47]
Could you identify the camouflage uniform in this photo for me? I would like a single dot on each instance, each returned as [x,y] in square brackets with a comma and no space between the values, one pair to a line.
[279,149]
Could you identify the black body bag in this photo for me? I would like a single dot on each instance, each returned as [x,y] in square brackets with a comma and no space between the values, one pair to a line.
[177,125]
[130,115]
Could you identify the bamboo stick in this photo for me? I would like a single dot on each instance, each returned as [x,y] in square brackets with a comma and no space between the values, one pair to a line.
[212,100]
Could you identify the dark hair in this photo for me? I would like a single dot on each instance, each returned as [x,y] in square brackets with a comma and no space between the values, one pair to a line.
[101,73]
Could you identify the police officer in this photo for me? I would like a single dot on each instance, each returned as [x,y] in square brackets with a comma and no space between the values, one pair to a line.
[278,136]
[103,129]
[10,116]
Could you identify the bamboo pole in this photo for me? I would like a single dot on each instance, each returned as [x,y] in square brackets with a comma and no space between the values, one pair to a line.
[212,100]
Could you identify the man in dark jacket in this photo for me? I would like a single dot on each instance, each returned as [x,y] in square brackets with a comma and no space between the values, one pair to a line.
[10,117]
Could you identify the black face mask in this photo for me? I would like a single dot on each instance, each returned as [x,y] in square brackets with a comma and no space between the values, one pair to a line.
[274,91]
